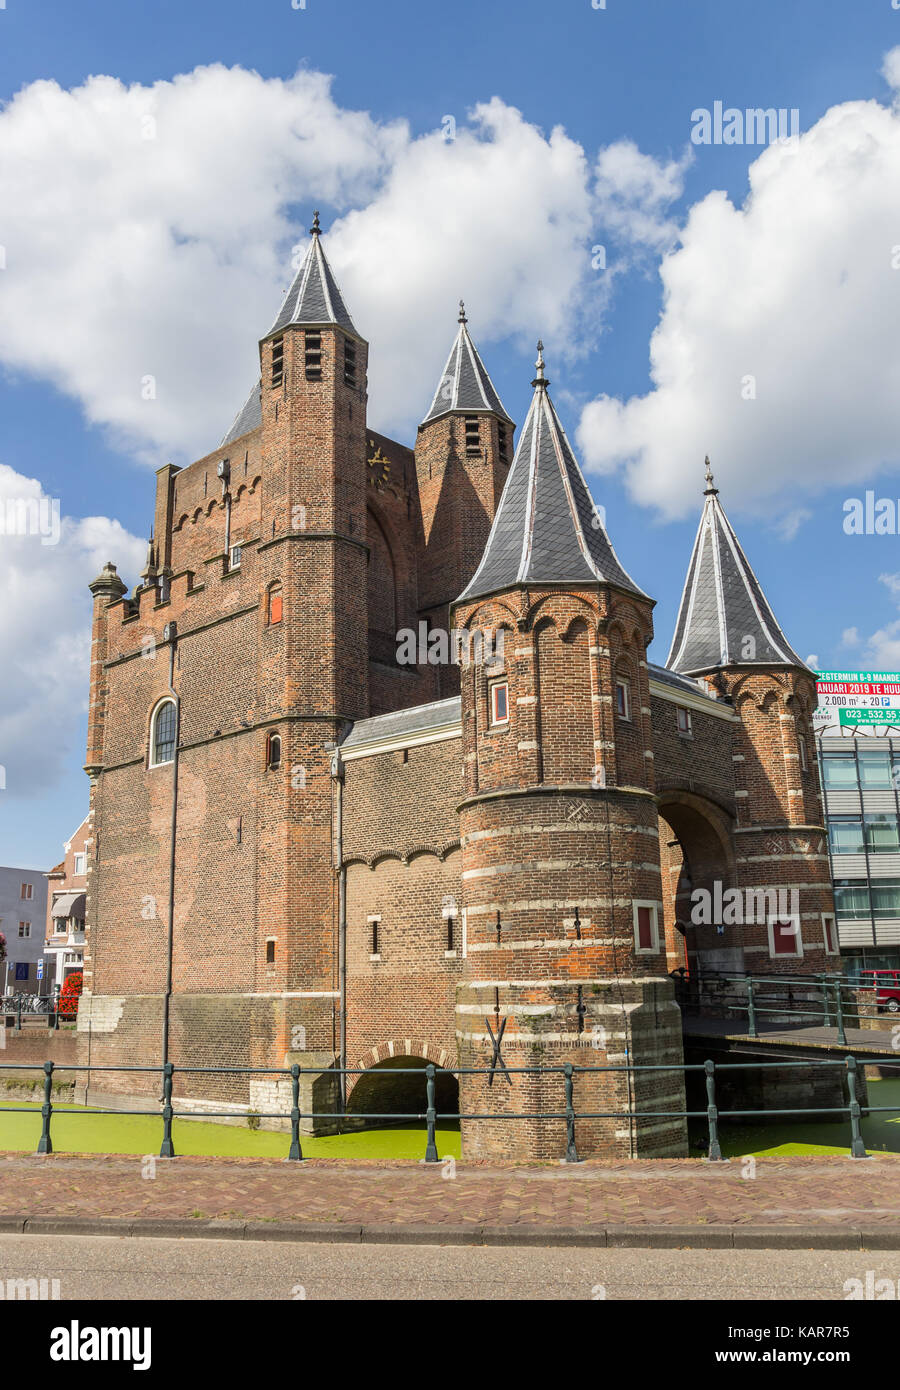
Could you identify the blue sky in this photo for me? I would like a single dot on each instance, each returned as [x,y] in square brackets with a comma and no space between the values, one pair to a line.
[626,79]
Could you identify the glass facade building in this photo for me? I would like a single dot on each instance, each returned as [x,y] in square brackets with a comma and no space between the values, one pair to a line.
[861,792]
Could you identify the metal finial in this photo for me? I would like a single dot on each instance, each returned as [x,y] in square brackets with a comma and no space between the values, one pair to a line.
[710,488]
[540,379]
[315,229]
[462,312]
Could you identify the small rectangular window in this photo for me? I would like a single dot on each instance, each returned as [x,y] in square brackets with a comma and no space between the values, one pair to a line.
[646,932]
[313,359]
[80,864]
[26,891]
[276,606]
[349,362]
[684,722]
[374,923]
[270,951]
[784,937]
[500,702]
[234,558]
[829,934]
[277,361]
[502,441]
[623,699]
[473,436]
[24,929]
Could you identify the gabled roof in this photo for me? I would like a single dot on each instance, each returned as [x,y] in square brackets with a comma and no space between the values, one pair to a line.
[724,618]
[314,298]
[465,385]
[547,529]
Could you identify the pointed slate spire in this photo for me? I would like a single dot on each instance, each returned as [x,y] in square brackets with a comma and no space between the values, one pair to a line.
[546,530]
[314,299]
[724,618]
[465,384]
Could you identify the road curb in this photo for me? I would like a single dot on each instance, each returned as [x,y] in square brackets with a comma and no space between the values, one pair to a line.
[699,1237]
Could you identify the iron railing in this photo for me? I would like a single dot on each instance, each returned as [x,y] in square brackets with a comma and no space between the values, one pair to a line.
[816,1000]
[19,1006]
[567,1114]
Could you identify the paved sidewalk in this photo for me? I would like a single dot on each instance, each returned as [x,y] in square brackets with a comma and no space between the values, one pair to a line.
[836,1202]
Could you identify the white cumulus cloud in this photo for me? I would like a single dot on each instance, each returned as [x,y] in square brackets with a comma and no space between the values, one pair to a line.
[776,351]
[46,564]
[149,231]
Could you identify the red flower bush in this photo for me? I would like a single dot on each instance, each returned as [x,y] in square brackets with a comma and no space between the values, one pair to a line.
[69,995]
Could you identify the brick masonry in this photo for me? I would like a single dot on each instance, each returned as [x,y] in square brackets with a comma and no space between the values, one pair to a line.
[493,874]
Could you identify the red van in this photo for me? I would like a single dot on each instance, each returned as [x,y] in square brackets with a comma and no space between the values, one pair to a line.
[886,984]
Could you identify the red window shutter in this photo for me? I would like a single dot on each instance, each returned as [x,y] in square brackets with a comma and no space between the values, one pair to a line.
[784,936]
[275,608]
[645,929]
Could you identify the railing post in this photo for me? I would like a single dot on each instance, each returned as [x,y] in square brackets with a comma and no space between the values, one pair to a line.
[296,1151]
[841,1033]
[431,1153]
[571,1151]
[19,1014]
[857,1144]
[751,1008]
[45,1144]
[826,1012]
[167,1150]
[715,1152]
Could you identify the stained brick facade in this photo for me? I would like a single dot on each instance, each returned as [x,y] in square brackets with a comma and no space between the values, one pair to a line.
[329,826]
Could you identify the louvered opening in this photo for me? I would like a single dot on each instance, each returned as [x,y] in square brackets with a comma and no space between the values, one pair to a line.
[313,356]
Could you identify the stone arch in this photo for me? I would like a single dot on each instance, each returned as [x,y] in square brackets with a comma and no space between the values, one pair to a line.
[385,1088]
[696,852]
[539,613]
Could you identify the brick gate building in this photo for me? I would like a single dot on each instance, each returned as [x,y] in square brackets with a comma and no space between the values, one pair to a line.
[315,836]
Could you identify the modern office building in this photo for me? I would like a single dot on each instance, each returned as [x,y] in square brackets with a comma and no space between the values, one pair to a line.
[858,738]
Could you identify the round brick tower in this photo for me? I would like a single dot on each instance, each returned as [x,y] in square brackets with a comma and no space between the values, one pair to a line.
[564,949]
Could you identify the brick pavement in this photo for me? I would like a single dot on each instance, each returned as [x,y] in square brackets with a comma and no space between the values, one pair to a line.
[824,1192]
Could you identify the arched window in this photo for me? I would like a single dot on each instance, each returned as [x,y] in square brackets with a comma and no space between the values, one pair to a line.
[162,734]
[273,750]
[275,607]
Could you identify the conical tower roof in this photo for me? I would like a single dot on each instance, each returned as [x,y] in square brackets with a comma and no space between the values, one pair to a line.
[465,385]
[724,618]
[314,299]
[547,529]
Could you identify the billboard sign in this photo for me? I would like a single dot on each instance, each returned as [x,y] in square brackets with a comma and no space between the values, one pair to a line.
[868,700]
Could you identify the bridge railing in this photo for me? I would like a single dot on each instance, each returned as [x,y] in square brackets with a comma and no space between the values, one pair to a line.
[566,1114]
[826,1001]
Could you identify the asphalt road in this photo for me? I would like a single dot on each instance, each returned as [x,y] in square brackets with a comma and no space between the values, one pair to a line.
[102,1267]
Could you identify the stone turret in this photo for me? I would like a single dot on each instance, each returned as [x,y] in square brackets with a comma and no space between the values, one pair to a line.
[727,634]
[561,877]
[463,453]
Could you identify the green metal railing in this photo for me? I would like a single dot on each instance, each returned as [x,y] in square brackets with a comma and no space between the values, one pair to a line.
[820,999]
[568,1114]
